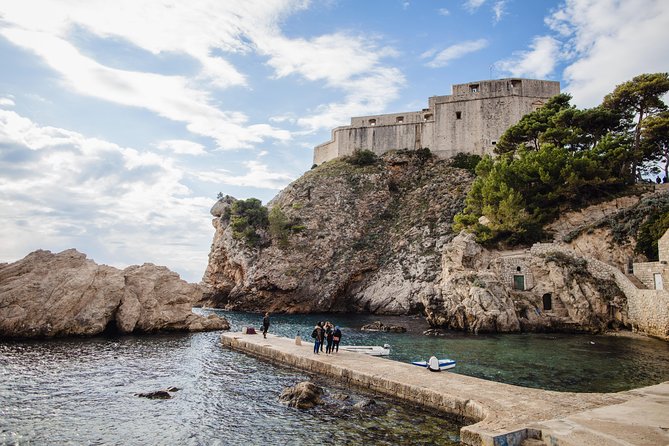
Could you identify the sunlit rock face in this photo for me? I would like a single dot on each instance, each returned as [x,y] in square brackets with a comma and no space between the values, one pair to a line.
[48,295]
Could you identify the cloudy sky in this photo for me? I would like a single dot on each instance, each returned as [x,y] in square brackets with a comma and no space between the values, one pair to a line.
[120,121]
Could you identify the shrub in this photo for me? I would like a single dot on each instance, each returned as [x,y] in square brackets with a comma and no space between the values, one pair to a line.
[362,158]
[246,218]
[467,161]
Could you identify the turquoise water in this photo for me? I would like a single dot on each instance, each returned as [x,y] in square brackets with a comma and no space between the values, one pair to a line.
[83,392]
[562,362]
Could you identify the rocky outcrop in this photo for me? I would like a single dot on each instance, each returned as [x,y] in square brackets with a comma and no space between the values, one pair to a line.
[560,291]
[47,295]
[356,238]
[380,326]
[303,395]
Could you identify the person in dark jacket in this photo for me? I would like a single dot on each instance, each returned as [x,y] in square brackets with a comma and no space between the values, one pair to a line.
[265,325]
[322,334]
[316,334]
[336,337]
[328,337]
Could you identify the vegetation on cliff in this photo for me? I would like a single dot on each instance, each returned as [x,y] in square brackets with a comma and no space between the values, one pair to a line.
[560,157]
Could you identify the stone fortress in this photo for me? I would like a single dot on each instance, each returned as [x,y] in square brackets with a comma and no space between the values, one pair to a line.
[471,120]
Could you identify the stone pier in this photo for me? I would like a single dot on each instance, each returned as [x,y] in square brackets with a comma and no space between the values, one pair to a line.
[501,414]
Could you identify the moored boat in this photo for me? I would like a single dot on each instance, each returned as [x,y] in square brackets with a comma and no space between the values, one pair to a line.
[373,350]
[436,365]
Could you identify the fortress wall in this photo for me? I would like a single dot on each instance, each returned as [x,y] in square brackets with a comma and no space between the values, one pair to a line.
[485,109]
[379,139]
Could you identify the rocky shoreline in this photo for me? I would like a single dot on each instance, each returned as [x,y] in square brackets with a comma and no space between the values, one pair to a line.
[48,295]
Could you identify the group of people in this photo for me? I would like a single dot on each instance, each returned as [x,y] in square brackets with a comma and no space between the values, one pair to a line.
[326,334]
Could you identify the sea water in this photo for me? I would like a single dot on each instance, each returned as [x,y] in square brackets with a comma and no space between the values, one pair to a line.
[84,390]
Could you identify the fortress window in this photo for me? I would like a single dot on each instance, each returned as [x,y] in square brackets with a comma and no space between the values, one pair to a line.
[494,143]
[458,115]
[515,83]
[427,117]
[474,88]
[399,119]
[372,122]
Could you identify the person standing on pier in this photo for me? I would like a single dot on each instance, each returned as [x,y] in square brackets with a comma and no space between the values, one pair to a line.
[328,337]
[336,337]
[265,325]
[316,334]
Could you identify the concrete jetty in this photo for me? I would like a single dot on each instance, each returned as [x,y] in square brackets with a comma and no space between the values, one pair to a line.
[501,414]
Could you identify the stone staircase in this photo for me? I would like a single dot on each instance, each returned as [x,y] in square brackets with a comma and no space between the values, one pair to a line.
[635,280]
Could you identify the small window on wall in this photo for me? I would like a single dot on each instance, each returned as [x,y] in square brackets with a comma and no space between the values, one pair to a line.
[474,88]
[427,117]
[494,143]
[372,122]
[458,115]
[399,119]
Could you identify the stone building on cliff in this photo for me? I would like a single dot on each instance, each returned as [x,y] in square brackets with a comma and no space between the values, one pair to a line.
[471,120]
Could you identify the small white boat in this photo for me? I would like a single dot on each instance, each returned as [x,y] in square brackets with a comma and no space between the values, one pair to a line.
[436,365]
[373,350]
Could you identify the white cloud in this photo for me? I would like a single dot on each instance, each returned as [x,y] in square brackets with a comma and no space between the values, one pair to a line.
[443,11]
[205,30]
[456,51]
[610,42]
[124,205]
[258,175]
[538,62]
[182,147]
[498,10]
[473,5]
[6,102]
[367,85]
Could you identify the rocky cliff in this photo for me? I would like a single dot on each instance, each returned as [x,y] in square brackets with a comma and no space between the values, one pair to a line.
[47,295]
[378,239]
[359,238]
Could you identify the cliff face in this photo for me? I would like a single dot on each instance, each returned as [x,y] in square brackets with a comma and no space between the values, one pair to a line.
[364,238]
[48,295]
[378,239]
[560,292]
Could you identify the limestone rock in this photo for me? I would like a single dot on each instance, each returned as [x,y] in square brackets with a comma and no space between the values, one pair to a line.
[368,239]
[303,395]
[47,295]
[477,295]
[380,326]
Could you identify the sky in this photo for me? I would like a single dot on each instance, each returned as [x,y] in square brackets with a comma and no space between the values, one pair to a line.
[121,121]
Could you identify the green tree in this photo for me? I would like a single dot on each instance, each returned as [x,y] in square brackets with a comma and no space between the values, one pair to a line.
[650,232]
[246,218]
[655,132]
[530,127]
[635,100]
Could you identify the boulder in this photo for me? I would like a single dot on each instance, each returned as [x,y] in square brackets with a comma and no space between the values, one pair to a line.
[64,294]
[303,395]
[380,326]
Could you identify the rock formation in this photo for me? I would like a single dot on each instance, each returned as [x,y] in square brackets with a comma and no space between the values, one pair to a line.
[359,238]
[47,295]
[476,295]
[303,395]
[378,239]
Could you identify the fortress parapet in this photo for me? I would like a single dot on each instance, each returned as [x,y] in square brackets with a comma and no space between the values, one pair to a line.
[470,120]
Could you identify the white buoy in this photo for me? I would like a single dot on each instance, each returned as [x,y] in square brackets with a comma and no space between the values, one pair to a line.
[433,364]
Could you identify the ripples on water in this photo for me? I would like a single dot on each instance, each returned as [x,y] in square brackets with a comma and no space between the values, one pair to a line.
[82,391]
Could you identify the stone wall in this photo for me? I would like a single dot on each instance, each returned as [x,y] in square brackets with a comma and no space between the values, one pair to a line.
[509,266]
[646,271]
[471,120]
